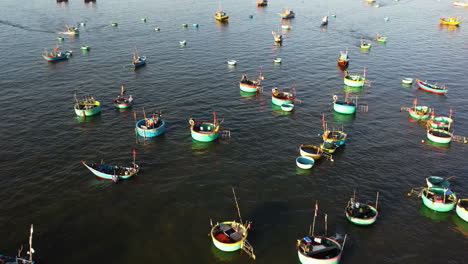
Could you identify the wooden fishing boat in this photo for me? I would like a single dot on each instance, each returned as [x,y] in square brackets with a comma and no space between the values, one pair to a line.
[281,97]
[381,39]
[361,214]
[457,3]
[288,13]
[344,107]
[56,55]
[231,235]
[439,135]
[328,147]
[432,88]
[343,59]
[310,151]
[262,3]
[205,131]
[88,106]
[407,80]
[462,209]
[277,37]
[440,122]
[138,61]
[151,126]
[419,112]
[451,21]
[365,45]
[305,162]
[313,249]
[221,16]
[437,181]
[439,199]
[324,21]
[287,107]
[355,80]
[18,259]
[122,101]
[251,86]
[337,137]
[72,30]
[112,172]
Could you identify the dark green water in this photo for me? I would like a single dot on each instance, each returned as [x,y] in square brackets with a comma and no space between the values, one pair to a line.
[162,215]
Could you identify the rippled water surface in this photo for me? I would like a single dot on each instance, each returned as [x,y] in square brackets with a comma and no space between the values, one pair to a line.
[163,214]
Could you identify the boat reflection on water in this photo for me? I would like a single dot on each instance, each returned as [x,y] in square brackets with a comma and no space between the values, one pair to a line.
[225,256]
[222,24]
[449,28]
[343,117]
[434,215]
[352,89]
[437,146]
[249,95]
[203,147]
[460,225]
[149,140]
[93,118]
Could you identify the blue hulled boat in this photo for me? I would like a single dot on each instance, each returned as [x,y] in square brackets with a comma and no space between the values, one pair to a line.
[151,127]
[113,172]
[56,55]
[20,260]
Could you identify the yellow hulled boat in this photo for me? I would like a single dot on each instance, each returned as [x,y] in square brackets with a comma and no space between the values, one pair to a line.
[452,21]
[221,16]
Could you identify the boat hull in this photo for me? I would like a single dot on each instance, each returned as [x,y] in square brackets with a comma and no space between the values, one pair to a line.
[309,260]
[344,107]
[436,181]
[153,132]
[228,247]
[450,23]
[423,86]
[280,101]
[249,88]
[362,221]
[437,206]
[107,176]
[420,112]
[462,212]
[123,106]
[339,141]
[354,80]
[441,122]
[206,135]
[88,112]
[431,135]
[305,162]
[310,151]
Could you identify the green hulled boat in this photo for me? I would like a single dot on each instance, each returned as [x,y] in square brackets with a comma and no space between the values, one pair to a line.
[462,209]
[361,214]
[88,106]
[439,199]
[205,131]
[420,112]
[439,135]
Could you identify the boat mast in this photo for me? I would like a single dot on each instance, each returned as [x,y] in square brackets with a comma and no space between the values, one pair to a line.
[237,205]
[377,201]
[326,224]
[31,250]
[134,159]
[311,232]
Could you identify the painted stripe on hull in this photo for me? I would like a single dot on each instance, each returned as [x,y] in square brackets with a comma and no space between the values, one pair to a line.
[344,108]
[90,112]
[437,206]
[362,221]
[436,139]
[229,247]
[249,88]
[154,132]
[353,83]
[107,176]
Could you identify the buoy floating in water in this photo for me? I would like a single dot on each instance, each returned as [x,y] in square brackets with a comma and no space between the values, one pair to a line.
[195,25]
[250,16]
[277,60]
[232,62]
[82,24]
[183,43]
[114,24]
[157,29]
[61,39]
[85,48]
[184,25]
[143,19]
[386,19]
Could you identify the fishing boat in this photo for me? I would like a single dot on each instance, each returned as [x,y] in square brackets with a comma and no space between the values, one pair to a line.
[281,97]
[60,39]
[85,48]
[262,3]
[72,30]
[344,107]
[439,135]
[419,112]
[113,172]
[288,13]
[138,61]
[437,181]
[451,21]
[18,259]
[183,42]
[232,235]
[277,37]
[221,16]
[343,59]
[381,39]
[365,45]
[88,106]
[287,107]
[355,80]
[328,147]
[337,137]
[305,162]
[114,24]
[457,3]
[432,88]
[407,81]
[277,60]
[439,199]
[361,214]
[232,62]
[310,151]
[56,55]
[251,86]
[205,131]
[462,209]
[285,27]
[324,21]
[313,249]
[150,127]
[440,122]
[122,101]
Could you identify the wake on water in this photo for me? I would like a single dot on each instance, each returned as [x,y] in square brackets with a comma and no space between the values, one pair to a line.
[8,23]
